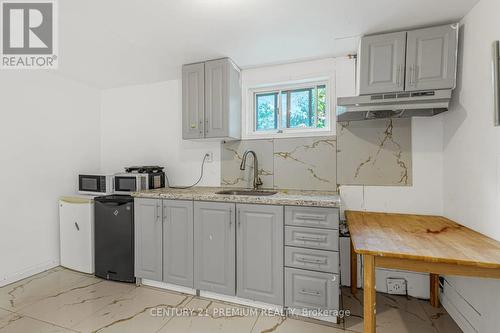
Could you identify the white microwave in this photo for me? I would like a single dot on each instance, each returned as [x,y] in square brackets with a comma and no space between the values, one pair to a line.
[95,184]
[126,183]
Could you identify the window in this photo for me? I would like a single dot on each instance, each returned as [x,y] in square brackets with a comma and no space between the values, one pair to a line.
[291,109]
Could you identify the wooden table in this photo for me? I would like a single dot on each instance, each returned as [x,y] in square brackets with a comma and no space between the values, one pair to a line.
[422,243]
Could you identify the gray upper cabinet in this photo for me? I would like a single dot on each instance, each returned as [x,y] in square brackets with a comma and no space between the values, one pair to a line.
[423,59]
[211,100]
[259,239]
[193,101]
[381,63]
[215,247]
[431,57]
[178,242]
[148,239]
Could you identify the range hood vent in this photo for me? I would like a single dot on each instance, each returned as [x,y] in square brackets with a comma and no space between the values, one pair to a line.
[393,105]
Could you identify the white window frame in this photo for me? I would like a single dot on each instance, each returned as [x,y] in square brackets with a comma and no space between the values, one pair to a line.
[251,115]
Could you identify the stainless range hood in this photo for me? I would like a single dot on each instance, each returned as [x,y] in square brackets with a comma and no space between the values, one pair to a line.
[393,105]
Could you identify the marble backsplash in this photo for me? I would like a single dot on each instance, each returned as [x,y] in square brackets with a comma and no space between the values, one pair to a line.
[375,152]
[291,163]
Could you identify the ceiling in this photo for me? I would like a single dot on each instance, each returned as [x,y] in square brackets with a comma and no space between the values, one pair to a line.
[111,43]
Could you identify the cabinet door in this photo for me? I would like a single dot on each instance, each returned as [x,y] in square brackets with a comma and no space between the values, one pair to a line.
[216,98]
[178,242]
[431,58]
[76,224]
[382,60]
[193,101]
[311,290]
[148,239]
[259,234]
[214,247]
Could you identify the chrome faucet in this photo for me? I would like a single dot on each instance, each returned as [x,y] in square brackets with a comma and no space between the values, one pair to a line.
[256,179]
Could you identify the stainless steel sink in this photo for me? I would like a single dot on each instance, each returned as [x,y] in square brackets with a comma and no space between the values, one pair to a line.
[246,192]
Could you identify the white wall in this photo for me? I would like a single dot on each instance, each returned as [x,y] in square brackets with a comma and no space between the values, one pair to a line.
[472,157]
[49,131]
[143,125]
[425,196]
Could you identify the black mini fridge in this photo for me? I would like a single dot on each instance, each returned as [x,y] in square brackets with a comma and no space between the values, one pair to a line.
[114,237]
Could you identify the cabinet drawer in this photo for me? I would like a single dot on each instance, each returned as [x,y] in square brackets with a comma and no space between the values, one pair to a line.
[317,260]
[322,239]
[327,218]
[311,290]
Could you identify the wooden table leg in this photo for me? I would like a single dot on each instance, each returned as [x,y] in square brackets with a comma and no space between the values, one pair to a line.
[434,285]
[354,271]
[369,309]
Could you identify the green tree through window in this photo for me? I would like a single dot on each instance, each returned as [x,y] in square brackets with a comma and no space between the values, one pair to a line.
[297,108]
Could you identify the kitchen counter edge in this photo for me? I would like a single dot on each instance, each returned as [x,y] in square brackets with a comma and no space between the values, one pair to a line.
[283,197]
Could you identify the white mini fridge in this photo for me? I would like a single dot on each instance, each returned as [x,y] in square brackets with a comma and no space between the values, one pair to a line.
[76,225]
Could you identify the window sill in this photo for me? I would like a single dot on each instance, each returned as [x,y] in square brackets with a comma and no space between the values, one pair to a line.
[284,135]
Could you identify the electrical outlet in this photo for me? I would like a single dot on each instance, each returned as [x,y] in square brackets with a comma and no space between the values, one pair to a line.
[396,286]
[210,157]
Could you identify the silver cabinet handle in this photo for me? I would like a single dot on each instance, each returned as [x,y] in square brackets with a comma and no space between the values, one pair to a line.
[230,217]
[310,217]
[163,213]
[410,74]
[77,226]
[311,261]
[239,218]
[312,293]
[398,75]
[310,239]
[157,212]
[413,72]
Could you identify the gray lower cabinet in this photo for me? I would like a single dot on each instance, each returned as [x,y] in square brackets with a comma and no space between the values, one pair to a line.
[259,239]
[215,247]
[315,217]
[148,239]
[316,260]
[312,258]
[178,242]
[323,239]
[241,249]
[311,290]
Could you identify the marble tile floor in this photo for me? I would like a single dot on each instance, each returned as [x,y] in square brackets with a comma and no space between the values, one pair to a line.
[61,300]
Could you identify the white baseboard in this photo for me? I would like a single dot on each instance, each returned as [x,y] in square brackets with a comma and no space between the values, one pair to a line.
[459,309]
[168,286]
[242,301]
[27,272]
[226,298]
[261,305]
